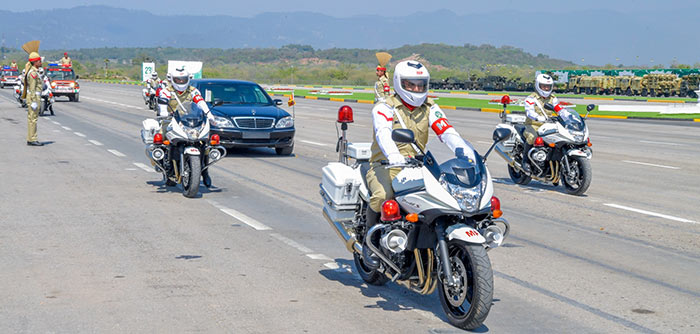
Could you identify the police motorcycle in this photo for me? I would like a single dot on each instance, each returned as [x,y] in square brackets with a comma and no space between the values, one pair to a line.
[150,97]
[186,150]
[560,153]
[18,94]
[47,97]
[434,234]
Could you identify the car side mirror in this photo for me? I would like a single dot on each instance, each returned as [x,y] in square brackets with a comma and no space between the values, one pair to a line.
[218,102]
[404,136]
[278,102]
[590,107]
[501,134]
[548,106]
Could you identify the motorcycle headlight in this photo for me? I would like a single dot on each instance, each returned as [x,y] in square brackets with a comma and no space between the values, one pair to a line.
[285,122]
[222,122]
[192,133]
[467,198]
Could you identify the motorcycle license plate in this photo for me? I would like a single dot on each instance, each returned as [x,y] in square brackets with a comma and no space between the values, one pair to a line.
[256,135]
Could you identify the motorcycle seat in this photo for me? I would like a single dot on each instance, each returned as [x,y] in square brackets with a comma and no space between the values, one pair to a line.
[364,168]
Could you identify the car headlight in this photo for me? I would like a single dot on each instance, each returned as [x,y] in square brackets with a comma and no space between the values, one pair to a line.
[222,122]
[72,85]
[467,198]
[285,122]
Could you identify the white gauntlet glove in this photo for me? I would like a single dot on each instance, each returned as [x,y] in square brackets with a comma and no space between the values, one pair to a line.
[396,159]
[34,105]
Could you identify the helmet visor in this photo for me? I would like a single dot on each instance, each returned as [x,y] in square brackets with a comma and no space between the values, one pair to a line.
[415,85]
[545,87]
[181,80]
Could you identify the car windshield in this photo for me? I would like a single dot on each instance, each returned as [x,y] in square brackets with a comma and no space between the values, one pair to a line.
[10,73]
[234,93]
[61,74]
[571,120]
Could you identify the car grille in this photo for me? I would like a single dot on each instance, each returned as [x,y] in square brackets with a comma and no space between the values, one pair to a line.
[254,122]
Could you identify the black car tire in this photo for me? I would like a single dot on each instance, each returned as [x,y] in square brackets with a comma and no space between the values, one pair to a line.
[285,150]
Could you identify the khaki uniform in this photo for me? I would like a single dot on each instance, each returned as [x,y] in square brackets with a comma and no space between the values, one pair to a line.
[531,126]
[13,65]
[34,83]
[173,106]
[66,61]
[381,89]
[378,177]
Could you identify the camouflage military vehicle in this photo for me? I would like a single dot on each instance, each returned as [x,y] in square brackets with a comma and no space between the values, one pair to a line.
[689,84]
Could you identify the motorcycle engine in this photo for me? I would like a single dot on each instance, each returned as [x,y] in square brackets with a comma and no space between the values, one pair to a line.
[538,155]
[393,242]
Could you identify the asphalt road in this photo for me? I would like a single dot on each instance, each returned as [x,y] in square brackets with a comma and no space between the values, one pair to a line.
[92,241]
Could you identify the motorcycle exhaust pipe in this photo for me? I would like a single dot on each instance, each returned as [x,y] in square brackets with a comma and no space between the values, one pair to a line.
[350,242]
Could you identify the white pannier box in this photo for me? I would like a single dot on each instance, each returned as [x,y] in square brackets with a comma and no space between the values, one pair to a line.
[515,119]
[340,187]
[360,151]
[150,128]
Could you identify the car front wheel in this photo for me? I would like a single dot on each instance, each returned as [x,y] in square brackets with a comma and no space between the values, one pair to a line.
[285,150]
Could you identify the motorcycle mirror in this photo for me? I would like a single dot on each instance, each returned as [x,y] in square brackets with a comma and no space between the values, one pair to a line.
[278,102]
[548,106]
[590,107]
[77,77]
[405,136]
[218,102]
[501,134]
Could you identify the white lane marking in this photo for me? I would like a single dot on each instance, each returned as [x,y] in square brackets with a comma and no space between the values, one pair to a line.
[291,243]
[661,143]
[144,167]
[54,122]
[649,213]
[67,128]
[331,265]
[95,142]
[648,164]
[313,143]
[79,134]
[117,153]
[319,257]
[114,103]
[245,219]
[130,169]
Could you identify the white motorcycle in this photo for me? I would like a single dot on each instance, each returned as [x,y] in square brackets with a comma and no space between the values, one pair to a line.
[149,96]
[561,152]
[434,234]
[186,152]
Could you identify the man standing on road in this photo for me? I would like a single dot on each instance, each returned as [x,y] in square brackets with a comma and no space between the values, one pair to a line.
[33,84]
[536,114]
[66,61]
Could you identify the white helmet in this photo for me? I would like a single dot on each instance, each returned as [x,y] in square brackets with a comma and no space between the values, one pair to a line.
[180,79]
[40,70]
[544,85]
[154,75]
[411,80]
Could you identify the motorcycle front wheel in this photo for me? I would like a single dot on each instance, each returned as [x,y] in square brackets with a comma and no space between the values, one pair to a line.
[468,304]
[191,174]
[578,181]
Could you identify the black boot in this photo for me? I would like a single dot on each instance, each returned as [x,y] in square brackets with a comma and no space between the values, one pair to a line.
[526,158]
[369,258]
[206,179]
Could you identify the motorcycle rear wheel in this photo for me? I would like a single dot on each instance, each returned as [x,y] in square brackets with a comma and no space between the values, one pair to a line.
[190,176]
[580,180]
[468,304]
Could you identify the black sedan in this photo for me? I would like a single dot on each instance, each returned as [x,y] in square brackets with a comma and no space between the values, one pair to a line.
[245,116]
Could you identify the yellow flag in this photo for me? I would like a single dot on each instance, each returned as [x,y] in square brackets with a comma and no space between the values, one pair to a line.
[291,100]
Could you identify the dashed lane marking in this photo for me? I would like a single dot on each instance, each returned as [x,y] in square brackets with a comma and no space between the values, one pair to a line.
[54,122]
[649,164]
[313,143]
[144,167]
[661,143]
[245,219]
[79,134]
[67,128]
[117,153]
[95,142]
[319,257]
[650,213]
[291,243]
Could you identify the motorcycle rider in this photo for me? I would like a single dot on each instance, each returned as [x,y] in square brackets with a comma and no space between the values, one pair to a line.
[46,88]
[152,84]
[409,108]
[381,87]
[536,113]
[177,92]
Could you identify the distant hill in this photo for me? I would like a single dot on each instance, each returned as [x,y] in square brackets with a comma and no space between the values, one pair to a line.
[588,37]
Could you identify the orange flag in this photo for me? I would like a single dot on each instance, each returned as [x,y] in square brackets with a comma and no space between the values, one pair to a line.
[291,100]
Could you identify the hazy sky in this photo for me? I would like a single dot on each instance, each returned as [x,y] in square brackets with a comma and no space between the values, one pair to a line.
[353,7]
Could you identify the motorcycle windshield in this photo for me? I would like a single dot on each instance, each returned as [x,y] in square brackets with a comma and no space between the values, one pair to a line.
[189,115]
[571,120]
[464,171]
